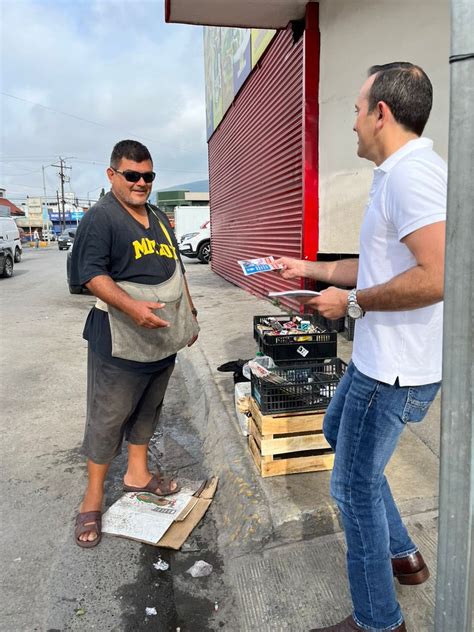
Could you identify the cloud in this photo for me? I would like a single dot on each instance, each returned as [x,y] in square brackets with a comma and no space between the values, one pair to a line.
[112,62]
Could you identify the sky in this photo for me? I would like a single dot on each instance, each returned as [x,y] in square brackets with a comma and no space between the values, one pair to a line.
[77,76]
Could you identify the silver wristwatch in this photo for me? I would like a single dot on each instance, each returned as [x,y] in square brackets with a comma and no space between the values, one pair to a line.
[354,310]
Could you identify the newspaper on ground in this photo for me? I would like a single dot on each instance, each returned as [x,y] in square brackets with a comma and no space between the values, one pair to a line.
[253,266]
[146,517]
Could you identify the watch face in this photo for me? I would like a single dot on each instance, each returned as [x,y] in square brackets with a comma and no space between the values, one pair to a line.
[354,311]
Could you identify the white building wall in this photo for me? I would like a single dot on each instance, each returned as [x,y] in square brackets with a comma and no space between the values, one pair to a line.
[35,209]
[196,196]
[355,36]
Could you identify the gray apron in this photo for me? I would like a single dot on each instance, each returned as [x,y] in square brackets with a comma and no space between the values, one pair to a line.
[133,342]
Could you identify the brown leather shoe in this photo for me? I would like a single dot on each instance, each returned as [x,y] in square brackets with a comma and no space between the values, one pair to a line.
[410,570]
[349,625]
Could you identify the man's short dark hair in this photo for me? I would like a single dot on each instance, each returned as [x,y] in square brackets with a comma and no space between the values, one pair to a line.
[131,150]
[407,91]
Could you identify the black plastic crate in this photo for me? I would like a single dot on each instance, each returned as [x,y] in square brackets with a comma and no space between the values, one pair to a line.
[336,324]
[298,388]
[295,348]
[349,327]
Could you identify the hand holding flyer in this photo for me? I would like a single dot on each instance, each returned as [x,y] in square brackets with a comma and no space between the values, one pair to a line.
[254,266]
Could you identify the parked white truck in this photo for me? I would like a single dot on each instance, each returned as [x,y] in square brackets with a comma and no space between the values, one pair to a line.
[197,245]
[10,237]
[189,219]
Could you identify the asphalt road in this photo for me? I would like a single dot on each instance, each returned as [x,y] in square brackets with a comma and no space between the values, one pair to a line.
[48,583]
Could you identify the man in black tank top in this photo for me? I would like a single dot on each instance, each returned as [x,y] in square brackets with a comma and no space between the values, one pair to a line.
[123,238]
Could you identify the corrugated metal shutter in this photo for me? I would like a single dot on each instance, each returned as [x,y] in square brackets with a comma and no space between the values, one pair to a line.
[256,170]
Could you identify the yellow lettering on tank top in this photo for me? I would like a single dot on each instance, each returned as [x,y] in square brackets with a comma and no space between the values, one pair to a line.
[147,246]
[175,256]
[151,245]
[140,247]
[165,251]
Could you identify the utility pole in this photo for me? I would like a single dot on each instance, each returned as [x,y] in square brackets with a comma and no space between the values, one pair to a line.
[455,581]
[44,183]
[59,212]
[62,166]
[43,203]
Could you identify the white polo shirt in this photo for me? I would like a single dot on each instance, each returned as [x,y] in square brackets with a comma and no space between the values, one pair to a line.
[408,192]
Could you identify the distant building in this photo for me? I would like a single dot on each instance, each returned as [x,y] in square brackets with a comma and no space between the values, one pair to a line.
[7,208]
[73,213]
[169,200]
[45,214]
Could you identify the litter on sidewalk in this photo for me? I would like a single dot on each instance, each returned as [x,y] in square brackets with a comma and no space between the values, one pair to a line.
[242,405]
[161,565]
[235,367]
[200,569]
[161,521]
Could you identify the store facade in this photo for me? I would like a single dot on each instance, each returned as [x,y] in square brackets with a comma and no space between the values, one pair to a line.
[284,175]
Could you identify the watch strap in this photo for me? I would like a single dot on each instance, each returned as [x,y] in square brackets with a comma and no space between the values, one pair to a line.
[352,302]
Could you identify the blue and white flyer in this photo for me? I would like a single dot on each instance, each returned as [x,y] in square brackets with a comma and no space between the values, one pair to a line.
[254,266]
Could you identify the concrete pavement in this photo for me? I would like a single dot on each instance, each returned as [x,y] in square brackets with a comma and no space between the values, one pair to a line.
[275,543]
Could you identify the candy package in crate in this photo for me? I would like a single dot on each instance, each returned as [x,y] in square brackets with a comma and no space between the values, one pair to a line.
[299,387]
[294,339]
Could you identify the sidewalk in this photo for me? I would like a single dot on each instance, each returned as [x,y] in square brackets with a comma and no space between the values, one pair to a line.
[264,524]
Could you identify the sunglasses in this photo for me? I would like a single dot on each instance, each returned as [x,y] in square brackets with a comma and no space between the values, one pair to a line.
[135,176]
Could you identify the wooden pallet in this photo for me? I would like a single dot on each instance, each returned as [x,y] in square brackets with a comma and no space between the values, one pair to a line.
[288,444]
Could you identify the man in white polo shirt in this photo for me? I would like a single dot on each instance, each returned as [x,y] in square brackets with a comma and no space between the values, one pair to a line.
[395,371]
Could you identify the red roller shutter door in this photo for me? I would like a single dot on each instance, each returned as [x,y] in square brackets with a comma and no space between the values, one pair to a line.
[256,169]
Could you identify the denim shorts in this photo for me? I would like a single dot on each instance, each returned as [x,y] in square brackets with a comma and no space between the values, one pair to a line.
[120,404]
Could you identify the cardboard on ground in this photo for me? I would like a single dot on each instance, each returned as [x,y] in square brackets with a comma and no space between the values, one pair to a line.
[160,521]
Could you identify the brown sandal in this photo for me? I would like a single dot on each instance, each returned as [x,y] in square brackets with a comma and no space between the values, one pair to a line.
[158,485]
[85,522]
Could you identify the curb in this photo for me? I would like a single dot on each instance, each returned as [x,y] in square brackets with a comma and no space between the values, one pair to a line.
[244,518]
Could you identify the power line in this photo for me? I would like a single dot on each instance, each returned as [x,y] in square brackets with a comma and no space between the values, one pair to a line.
[45,107]
[74,116]
[25,186]
[101,163]
[159,169]
[18,175]
[25,158]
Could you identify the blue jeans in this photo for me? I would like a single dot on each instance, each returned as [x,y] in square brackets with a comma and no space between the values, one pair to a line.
[363,424]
